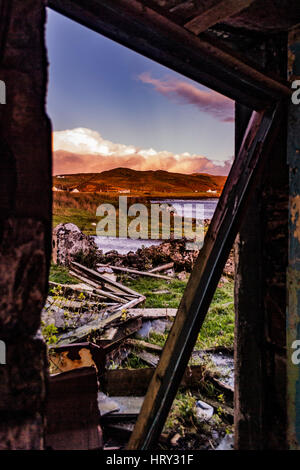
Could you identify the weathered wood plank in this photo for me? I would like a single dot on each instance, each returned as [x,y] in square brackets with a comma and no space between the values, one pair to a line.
[222,10]
[140,273]
[72,411]
[98,291]
[86,271]
[204,278]
[144,345]
[132,303]
[148,358]
[164,267]
[135,382]
[142,29]
[81,333]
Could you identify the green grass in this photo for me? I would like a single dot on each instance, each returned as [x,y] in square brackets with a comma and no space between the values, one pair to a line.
[80,217]
[148,287]
[158,338]
[218,327]
[60,274]
[80,209]
[134,362]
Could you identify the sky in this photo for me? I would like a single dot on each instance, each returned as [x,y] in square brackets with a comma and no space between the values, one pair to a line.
[111,107]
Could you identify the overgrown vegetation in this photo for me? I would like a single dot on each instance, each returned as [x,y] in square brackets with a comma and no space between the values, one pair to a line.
[191,432]
[134,362]
[60,274]
[218,328]
[158,293]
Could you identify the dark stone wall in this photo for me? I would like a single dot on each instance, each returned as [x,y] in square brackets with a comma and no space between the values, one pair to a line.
[260,292]
[25,221]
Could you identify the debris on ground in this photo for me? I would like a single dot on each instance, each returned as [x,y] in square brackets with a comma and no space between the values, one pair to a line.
[102,324]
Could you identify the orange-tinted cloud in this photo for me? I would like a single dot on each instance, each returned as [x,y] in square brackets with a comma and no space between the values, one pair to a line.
[85,151]
[218,106]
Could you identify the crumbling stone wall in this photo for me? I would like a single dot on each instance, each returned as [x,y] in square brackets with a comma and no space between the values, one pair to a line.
[25,221]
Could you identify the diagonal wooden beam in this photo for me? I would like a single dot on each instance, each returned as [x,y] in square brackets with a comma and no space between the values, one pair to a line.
[204,279]
[219,12]
[155,36]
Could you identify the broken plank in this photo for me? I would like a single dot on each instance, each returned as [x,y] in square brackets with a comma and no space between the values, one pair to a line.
[104,279]
[82,332]
[89,281]
[164,267]
[131,304]
[147,357]
[98,291]
[124,329]
[153,313]
[84,279]
[144,345]
[70,289]
[135,382]
[140,273]
[73,305]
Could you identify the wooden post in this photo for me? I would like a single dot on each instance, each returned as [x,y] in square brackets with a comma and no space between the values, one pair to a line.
[260,287]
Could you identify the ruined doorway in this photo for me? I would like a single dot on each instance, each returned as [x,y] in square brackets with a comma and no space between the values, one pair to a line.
[74,191]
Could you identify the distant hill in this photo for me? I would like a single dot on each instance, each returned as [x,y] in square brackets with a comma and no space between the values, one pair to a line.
[156,181]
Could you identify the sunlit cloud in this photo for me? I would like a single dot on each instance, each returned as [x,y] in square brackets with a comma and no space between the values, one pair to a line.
[215,104]
[85,151]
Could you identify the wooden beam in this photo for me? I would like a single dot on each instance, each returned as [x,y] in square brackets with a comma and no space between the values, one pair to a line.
[204,278]
[145,31]
[105,280]
[139,273]
[219,12]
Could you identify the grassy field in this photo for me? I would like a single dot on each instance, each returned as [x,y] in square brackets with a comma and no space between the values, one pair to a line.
[218,328]
[61,275]
[80,209]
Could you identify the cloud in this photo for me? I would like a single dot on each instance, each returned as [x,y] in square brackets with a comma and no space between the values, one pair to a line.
[218,106]
[85,151]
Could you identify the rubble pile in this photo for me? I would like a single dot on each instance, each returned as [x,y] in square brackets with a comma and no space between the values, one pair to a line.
[70,244]
[101,326]
[153,256]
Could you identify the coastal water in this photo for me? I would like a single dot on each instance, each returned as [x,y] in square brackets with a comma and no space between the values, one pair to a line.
[188,207]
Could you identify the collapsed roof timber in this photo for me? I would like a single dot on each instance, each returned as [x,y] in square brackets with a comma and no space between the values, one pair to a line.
[238,50]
